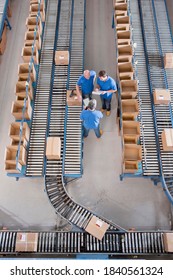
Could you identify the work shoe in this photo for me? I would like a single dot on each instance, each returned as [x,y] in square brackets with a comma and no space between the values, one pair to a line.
[101,131]
[102,110]
[108,113]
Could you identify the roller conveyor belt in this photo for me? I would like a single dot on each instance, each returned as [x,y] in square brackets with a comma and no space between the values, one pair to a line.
[114,243]
[158,41]
[36,152]
[150,164]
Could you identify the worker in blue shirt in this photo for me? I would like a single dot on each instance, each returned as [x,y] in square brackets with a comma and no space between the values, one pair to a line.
[108,86]
[85,84]
[91,119]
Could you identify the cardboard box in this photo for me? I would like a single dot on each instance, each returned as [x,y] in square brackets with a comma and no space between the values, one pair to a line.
[132,152]
[125,50]
[126,76]
[124,59]
[130,139]
[17,109]
[61,57]
[14,131]
[20,89]
[53,148]
[23,72]
[123,27]
[130,166]
[26,242]
[27,52]
[123,35]
[34,10]
[11,168]
[32,22]
[168,241]
[125,70]
[97,227]
[161,96]
[129,108]
[73,101]
[120,13]
[168,60]
[123,42]
[167,139]
[3,40]
[129,88]
[131,128]
[122,20]
[11,153]
[29,39]
[121,6]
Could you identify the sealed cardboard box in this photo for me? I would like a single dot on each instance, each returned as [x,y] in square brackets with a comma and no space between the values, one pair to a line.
[161,96]
[132,152]
[168,60]
[168,241]
[97,227]
[26,242]
[53,148]
[167,139]
[61,57]
[11,153]
[16,128]
[72,99]
[131,128]
[130,166]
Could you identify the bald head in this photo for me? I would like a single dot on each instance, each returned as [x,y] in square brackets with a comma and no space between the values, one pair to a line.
[86,74]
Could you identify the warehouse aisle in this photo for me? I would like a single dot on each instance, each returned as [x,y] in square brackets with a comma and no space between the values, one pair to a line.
[134,202]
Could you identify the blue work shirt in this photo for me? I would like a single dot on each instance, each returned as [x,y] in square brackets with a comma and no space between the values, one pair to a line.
[108,84]
[86,85]
[91,119]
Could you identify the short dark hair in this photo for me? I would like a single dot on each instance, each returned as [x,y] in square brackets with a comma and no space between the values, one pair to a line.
[102,73]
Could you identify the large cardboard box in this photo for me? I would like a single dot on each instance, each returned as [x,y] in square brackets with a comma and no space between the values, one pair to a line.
[129,88]
[30,36]
[130,109]
[11,168]
[168,60]
[26,242]
[53,148]
[125,50]
[17,109]
[23,72]
[131,128]
[122,20]
[168,241]
[27,52]
[97,227]
[124,59]
[61,57]
[14,131]
[20,89]
[3,40]
[123,35]
[73,100]
[161,96]
[11,153]
[121,6]
[32,22]
[125,71]
[167,139]
[130,166]
[132,152]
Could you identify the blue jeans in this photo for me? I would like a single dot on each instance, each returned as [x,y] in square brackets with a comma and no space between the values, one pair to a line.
[96,130]
[106,103]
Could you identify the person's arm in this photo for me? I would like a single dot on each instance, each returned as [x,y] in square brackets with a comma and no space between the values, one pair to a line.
[78,92]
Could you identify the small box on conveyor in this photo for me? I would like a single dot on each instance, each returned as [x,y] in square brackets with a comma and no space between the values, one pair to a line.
[161,96]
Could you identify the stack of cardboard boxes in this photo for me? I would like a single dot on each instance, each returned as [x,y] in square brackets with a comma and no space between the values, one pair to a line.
[19,131]
[129,108]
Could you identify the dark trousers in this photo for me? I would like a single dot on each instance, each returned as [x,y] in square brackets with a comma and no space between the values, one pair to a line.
[106,104]
[89,95]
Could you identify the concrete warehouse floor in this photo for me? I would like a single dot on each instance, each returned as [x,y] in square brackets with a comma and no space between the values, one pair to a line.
[133,202]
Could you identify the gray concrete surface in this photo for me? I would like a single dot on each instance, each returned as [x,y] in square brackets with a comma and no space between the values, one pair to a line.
[130,203]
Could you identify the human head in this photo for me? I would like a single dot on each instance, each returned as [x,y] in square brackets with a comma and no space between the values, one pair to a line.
[103,75]
[92,104]
[86,74]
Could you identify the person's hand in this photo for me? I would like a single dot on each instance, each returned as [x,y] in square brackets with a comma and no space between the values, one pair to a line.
[103,92]
[96,89]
